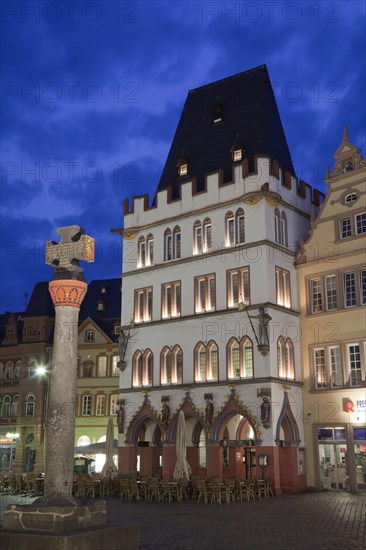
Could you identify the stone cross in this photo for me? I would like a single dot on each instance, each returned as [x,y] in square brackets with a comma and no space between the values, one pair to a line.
[73,247]
[67,289]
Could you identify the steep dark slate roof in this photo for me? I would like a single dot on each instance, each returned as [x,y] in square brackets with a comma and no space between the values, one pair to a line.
[3,322]
[40,303]
[111,299]
[249,110]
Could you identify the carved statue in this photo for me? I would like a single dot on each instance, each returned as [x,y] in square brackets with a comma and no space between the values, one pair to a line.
[121,418]
[264,319]
[209,408]
[265,411]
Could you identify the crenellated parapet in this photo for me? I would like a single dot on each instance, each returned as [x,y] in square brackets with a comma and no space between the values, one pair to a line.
[267,181]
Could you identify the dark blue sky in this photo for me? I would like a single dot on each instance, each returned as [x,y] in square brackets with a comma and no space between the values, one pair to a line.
[92,93]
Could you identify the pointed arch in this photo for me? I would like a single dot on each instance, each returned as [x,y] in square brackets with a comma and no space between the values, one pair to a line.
[141,251]
[207,235]
[145,413]
[190,411]
[199,362]
[277,226]
[232,407]
[281,357]
[149,249]
[283,236]
[290,360]
[233,358]
[176,242]
[165,366]
[288,423]
[177,365]
[148,367]
[137,368]
[197,237]
[229,229]
[239,226]
[168,245]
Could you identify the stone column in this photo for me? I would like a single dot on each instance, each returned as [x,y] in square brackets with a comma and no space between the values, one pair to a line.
[67,288]
[67,296]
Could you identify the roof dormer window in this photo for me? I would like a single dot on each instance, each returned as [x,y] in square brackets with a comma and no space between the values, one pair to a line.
[103,289]
[182,165]
[100,305]
[236,150]
[350,198]
[217,113]
[237,155]
[183,169]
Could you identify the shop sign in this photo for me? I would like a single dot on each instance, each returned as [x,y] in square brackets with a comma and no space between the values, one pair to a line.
[6,440]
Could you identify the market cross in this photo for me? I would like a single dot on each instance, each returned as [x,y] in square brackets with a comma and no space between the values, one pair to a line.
[73,247]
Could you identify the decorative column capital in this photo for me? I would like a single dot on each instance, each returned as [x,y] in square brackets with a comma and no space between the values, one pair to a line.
[67,292]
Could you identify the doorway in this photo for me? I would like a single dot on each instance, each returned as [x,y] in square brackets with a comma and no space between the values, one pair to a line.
[333,466]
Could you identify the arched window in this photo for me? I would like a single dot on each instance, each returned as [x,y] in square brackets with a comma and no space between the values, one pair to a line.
[83,441]
[200,362]
[239,226]
[137,369]
[290,360]
[9,370]
[229,229]
[141,252]
[206,362]
[6,406]
[207,235]
[176,242]
[177,365]
[240,358]
[32,366]
[212,369]
[281,357]
[148,365]
[14,405]
[166,366]
[284,229]
[197,238]
[277,226]
[17,369]
[246,349]
[233,359]
[168,245]
[30,404]
[149,250]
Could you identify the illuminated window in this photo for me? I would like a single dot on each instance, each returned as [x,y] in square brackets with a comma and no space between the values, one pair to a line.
[283,293]
[235,228]
[143,305]
[354,363]
[100,405]
[206,362]
[168,245]
[171,300]
[142,368]
[115,361]
[171,366]
[102,366]
[237,155]
[207,235]
[113,404]
[86,405]
[238,287]
[240,358]
[197,238]
[145,251]
[205,293]
[176,243]
[285,358]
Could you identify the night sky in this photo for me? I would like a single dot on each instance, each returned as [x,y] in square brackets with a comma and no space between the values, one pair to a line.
[92,93]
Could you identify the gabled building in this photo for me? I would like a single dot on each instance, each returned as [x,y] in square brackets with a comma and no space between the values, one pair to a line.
[26,345]
[332,289]
[212,292]
[97,383]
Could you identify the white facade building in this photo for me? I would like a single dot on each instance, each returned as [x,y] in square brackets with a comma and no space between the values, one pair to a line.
[202,266]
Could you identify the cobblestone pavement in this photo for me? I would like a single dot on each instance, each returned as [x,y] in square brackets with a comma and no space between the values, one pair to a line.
[309,521]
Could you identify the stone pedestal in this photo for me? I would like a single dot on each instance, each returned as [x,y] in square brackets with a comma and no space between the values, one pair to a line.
[46,525]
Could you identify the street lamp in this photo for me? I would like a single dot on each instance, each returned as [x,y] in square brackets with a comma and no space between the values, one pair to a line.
[42,371]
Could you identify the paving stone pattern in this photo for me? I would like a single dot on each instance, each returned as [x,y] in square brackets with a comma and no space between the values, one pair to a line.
[308,521]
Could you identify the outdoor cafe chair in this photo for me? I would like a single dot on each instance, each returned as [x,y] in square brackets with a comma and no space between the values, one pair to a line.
[268,482]
[134,490]
[201,491]
[183,488]
[80,488]
[229,490]
[261,489]
[124,488]
[165,490]
[154,489]
[90,488]
[215,492]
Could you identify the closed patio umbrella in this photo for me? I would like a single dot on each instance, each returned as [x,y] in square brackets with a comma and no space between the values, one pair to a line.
[109,466]
[182,468]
